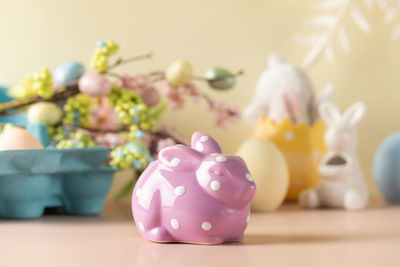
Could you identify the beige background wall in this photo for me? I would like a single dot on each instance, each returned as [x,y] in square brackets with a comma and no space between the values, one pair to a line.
[236,34]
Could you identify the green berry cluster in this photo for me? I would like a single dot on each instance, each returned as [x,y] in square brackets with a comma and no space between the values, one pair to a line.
[132,111]
[43,84]
[77,140]
[99,60]
[34,84]
[124,158]
[57,133]
[77,110]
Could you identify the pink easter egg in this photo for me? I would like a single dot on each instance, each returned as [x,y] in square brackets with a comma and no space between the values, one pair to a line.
[94,85]
[18,139]
[150,96]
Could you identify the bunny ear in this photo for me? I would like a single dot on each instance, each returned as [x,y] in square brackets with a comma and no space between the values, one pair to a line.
[329,113]
[353,115]
[275,59]
[292,106]
[180,157]
[204,143]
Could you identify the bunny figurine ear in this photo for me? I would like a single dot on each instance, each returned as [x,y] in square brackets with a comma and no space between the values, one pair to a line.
[329,113]
[180,157]
[292,107]
[353,115]
[275,59]
[204,143]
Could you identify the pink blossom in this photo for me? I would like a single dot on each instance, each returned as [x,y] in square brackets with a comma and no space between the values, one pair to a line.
[142,86]
[174,95]
[110,140]
[193,91]
[104,116]
[223,113]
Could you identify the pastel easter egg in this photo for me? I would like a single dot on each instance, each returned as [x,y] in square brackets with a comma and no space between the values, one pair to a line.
[137,148]
[150,97]
[68,73]
[179,73]
[94,85]
[269,170]
[220,79]
[16,138]
[44,112]
[387,168]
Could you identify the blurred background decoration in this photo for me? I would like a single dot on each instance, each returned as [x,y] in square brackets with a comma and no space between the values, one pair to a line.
[71,107]
[241,36]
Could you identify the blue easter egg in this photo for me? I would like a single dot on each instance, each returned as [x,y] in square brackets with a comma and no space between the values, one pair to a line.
[68,73]
[387,168]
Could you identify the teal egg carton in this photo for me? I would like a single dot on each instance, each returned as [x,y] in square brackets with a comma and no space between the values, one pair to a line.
[33,180]
[74,179]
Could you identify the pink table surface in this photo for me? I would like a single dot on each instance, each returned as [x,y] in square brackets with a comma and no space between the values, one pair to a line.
[288,237]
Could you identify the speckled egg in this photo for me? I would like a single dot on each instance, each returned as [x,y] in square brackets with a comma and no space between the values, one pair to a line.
[44,112]
[387,168]
[68,73]
[270,173]
[16,138]
[94,85]
[220,79]
[179,73]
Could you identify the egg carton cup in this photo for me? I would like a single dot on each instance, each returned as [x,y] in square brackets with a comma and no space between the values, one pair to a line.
[74,179]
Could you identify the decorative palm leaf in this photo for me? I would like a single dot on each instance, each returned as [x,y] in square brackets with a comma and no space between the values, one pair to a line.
[332,21]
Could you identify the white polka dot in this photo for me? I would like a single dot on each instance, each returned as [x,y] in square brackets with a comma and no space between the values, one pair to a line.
[215,185]
[221,159]
[248,219]
[175,162]
[249,177]
[204,138]
[141,226]
[138,192]
[175,224]
[199,146]
[289,135]
[206,226]
[180,190]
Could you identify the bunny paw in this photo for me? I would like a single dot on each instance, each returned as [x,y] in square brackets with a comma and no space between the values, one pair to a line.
[353,201]
[309,199]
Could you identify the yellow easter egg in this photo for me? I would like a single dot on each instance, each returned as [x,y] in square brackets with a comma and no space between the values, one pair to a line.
[44,112]
[269,170]
[179,73]
[302,146]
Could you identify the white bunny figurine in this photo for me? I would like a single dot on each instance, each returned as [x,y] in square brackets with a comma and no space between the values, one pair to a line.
[342,183]
[284,91]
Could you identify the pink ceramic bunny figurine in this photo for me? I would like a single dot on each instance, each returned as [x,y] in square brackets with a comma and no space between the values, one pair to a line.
[194,195]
